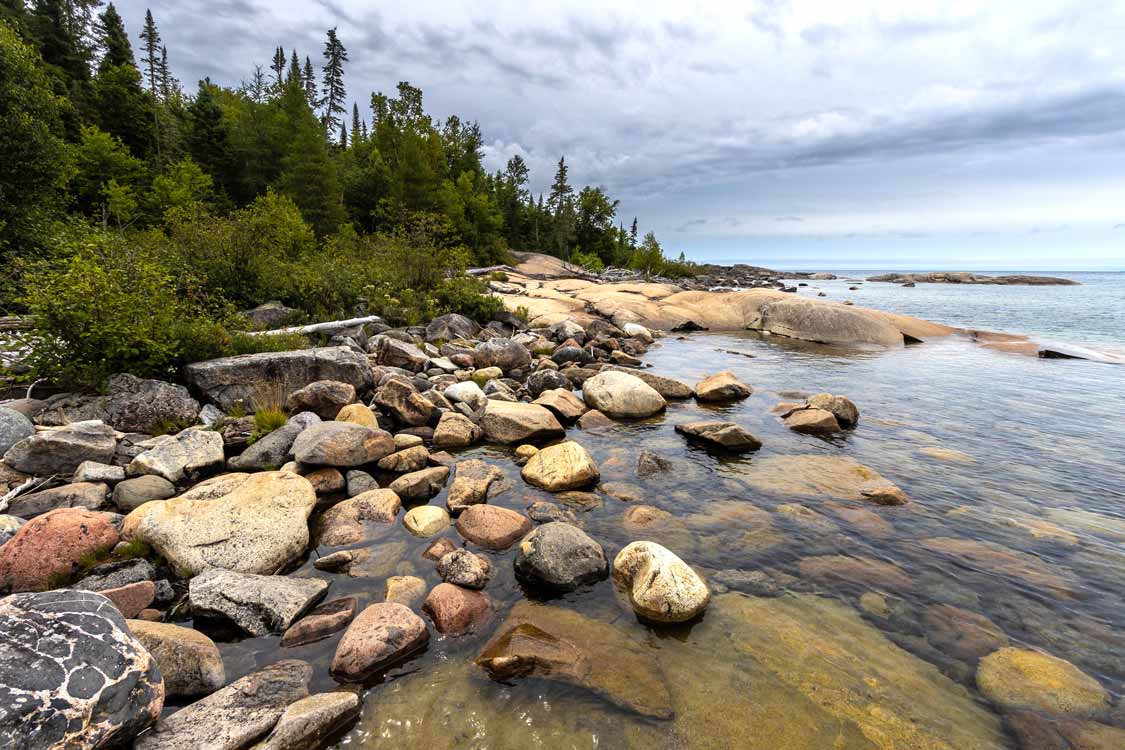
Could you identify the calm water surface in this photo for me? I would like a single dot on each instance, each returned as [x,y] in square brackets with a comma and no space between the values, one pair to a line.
[1021,456]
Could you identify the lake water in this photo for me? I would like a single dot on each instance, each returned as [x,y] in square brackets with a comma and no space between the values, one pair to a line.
[835,623]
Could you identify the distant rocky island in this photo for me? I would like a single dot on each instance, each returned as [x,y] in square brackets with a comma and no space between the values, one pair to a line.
[963,277]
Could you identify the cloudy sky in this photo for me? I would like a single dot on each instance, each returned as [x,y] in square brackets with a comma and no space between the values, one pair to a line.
[858,134]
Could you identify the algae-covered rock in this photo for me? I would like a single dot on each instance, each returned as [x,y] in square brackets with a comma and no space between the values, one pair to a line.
[1020,678]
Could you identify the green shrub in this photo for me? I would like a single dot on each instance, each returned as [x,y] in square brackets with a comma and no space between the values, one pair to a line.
[244,343]
[268,419]
[590,261]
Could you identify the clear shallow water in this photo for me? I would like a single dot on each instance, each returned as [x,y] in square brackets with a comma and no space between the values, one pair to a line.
[1093,313]
[1035,441]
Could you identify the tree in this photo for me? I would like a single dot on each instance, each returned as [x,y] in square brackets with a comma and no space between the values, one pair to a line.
[295,74]
[335,55]
[62,28]
[169,86]
[561,191]
[104,171]
[308,174]
[309,77]
[594,226]
[33,156]
[151,38]
[560,202]
[278,67]
[208,138]
[633,234]
[355,123]
[122,107]
[113,40]
[257,87]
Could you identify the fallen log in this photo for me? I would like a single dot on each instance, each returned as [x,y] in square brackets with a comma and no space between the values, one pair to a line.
[327,327]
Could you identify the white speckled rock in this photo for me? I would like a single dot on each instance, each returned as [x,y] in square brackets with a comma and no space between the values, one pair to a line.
[661,587]
[619,394]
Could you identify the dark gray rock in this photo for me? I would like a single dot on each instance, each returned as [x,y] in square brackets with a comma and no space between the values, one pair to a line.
[506,354]
[239,380]
[61,451]
[649,463]
[260,605]
[560,557]
[269,315]
[546,380]
[236,716]
[360,482]
[451,326]
[71,674]
[136,405]
[14,427]
[89,495]
[114,575]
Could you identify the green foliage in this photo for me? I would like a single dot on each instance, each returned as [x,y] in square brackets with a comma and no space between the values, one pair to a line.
[268,419]
[590,261]
[102,159]
[132,549]
[181,190]
[244,343]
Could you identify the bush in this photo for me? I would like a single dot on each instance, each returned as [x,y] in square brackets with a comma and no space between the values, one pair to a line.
[590,261]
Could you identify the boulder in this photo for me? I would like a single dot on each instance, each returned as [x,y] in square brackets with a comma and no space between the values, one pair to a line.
[506,422]
[326,481]
[426,520]
[50,549]
[249,523]
[455,431]
[451,326]
[189,661]
[239,380]
[841,407]
[622,395]
[725,435]
[235,716]
[421,485]
[133,493]
[723,386]
[466,392]
[112,575]
[546,380]
[14,427]
[492,527]
[321,622]
[357,414]
[269,315]
[463,568]
[561,467]
[188,455]
[506,354]
[360,482]
[148,406]
[345,522]
[381,635]
[563,404]
[667,387]
[71,674]
[593,420]
[92,471]
[1023,679]
[660,586]
[131,598]
[863,572]
[323,398]
[405,461]
[561,645]
[408,591]
[828,324]
[649,464]
[341,444]
[260,605]
[812,422]
[404,404]
[962,634]
[63,450]
[78,495]
[472,482]
[560,557]
[456,611]
[391,352]
[9,525]
[272,451]
[307,723]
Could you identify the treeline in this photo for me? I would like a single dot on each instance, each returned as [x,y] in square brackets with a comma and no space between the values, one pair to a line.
[230,197]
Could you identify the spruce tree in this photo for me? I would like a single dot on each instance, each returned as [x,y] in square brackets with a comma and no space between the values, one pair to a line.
[151,38]
[309,77]
[278,67]
[295,75]
[633,234]
[561,191]
[120,106]
[343,135]
[335,55]
[355,123]
[168,82]
[208,138]
[113,40]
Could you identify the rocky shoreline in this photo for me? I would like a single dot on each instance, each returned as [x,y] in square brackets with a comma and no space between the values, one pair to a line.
[963,277]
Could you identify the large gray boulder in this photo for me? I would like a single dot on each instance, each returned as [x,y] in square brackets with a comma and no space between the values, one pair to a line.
[189,454]
[451,326]
[619,394]
[61,451]
[71,673]
[251,523]
[88,495]
[342,444]
[14,427]
[236,716]
[506,354]
[260,605]
[560,557]
[275,449]
[243,379]
[394,353]
[512,422]
[136,405]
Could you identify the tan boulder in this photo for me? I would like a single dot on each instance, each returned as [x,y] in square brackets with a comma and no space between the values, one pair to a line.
[1019,678]
[723,386]
[561,467]
[660,586]
[511,422]
[619,394]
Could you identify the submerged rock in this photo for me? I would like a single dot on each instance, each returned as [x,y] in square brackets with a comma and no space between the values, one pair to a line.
[856,571]
[660,586]
[996,560]
[820,477]
[260,605]
[321,622]
[346,522]
[725,435]
[306,724]
[236,716]
[71,673]
[558,644]
[1019,678]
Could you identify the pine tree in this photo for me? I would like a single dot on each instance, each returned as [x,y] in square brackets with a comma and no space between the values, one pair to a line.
[309,77]
[278,67]
[168,82]
[113,40]
[355,124]
[561,191]
[335,55]
[343,135]
[151,38]
[633,234]
[295,75]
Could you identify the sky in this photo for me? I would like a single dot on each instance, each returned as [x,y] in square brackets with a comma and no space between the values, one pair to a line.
[867,134]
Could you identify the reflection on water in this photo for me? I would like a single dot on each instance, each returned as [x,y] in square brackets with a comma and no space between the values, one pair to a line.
[836,623]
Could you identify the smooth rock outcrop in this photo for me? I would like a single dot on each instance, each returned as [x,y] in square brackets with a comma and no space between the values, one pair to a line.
[508,422]
[341,444]
[492,527]
[71,673]
[136,405]
[236,716]
[381,635]
[724,435]
[189,661]
[558,644]
[558,556]
[240,380]
[1020,678]
[49,549]
[61,451]
[249,523]
[188,455]
[561,467]
[619,394]
[660,586]
[260,605]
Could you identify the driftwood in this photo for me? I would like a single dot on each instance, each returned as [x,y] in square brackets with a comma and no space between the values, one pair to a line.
[12,494]
[13,323]
[490,269]
[332,325]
